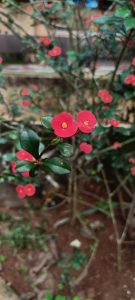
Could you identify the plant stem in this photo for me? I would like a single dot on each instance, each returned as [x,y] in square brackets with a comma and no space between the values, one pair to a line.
[114,221]
[128,37]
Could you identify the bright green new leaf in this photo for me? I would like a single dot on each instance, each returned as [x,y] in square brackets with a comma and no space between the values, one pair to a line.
[129,23]
[122,12]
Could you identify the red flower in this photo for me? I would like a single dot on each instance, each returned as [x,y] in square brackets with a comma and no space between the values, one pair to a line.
[133,61]
[131,160]
[105,96]
[34,87]
[24,155]
[86,121]
[46,41]
[85,147]
[20,191]
[95,16]
[13,167]
[63,125]
[130,43]
[113,122]
[132,170]
[25,174]
[117,145]
[130,80]
[25,92]
[56,51]
[25,103]
[30,189]
[1,60]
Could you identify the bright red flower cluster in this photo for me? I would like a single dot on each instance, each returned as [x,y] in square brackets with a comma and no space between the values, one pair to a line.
[105,96]
[113,122]
[24,155]
[25,92]
[117,145]
[25,190]
[56,51]
[64,126]
[46,41]
[86,148]
[130,80]
[26,103]
[86,121]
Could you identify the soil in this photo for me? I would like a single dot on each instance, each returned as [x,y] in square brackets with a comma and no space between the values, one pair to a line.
[32,271]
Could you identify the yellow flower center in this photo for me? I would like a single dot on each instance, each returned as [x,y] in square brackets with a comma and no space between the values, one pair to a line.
[64,125]
[86,123]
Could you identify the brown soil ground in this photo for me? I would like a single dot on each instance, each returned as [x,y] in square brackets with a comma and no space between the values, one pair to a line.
[33,271]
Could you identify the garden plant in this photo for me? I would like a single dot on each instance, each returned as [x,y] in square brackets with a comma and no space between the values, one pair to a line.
[88,135]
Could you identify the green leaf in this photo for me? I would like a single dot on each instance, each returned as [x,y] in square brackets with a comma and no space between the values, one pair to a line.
[105,20]
[66,149]
[122,12]
[60,297]
[129,23]
[46,122]
[76,298]
[49,296]
[123,131]
[30,141]
[24,166]
[55,141]
[57,165]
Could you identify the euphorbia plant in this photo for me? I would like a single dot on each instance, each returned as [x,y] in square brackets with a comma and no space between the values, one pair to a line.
[88,124]
[32,158]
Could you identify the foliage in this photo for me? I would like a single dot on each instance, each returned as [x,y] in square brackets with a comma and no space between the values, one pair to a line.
[88,130]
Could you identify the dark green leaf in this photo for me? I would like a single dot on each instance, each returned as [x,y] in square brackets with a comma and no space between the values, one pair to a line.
[57,165]
[29,141]
[124,131]
[66,149]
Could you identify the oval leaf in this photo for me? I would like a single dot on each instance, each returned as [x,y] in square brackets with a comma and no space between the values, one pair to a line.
[57,166]
[47,122]
[30,141]
[66,149]
[129,23]
[123,12]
